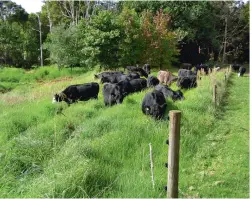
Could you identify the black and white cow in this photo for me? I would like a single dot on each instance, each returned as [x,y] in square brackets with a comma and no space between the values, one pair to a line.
[138,84]
[112,94]
[78,92]
[152,81]
[241,72]
[154,104]
[168,92]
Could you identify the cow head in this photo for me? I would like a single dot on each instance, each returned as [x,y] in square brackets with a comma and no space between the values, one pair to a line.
[155,110]
[114,94]
[59,97]
[56,98]
[178,95]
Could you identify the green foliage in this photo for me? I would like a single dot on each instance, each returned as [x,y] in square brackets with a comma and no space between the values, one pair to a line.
[101,37]
[115,34]
[11,78]
[159,43]
[63,44]
[11,43]
[12,12]
[131,45]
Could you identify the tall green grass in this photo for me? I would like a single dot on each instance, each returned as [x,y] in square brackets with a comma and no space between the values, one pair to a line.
[10,78]
[89,150]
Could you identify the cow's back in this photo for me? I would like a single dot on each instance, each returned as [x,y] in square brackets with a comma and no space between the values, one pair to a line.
[138,84]
[88,90]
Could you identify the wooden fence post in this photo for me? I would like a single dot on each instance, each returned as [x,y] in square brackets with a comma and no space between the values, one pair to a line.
[173,154]
[152,166]
[215,94]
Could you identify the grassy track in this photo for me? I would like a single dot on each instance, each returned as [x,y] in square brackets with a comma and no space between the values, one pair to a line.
[222,164]
[98,151]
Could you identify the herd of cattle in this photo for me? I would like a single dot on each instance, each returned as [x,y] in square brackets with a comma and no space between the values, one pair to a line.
[118,85]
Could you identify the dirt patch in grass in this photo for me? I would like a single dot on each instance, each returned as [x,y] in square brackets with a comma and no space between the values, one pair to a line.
[54,81]
[12,99]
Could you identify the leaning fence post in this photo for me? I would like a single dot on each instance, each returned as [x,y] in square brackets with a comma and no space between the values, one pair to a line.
[173,154]
[215,94]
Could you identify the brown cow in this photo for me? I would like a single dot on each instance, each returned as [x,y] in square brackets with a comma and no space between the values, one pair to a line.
[166,77]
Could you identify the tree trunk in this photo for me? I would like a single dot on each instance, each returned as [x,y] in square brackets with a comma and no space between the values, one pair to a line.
[87,10]
[40,41]
[49,17]
[225,42]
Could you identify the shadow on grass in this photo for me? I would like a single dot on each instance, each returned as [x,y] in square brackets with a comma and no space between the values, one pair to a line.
[170,106]
[221,109]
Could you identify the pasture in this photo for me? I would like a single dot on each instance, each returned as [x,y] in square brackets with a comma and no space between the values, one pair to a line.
[89,150]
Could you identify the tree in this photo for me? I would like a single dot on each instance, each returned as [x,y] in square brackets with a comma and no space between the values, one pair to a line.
[63,46]
[100,40]
[130,47]
[11,43]
[159,43]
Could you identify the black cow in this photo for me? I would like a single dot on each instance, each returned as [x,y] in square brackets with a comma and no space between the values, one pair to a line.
[112,94]
[187,82]
[141,71]
[115,78]
[174,95]
[187,66]
[81,92]
[186,73]
[241,72]
[146,67]
[125,87]
[133,75]
[131,68]
[152,81]
[154,104]
[236,67]
[138,84]
[202,67]
[107,74]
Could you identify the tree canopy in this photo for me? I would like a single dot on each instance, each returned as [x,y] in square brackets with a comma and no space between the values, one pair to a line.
[116,34]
